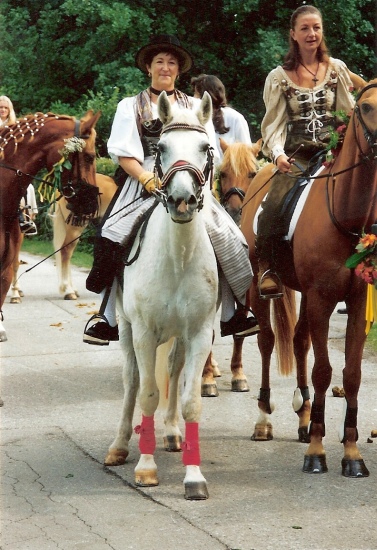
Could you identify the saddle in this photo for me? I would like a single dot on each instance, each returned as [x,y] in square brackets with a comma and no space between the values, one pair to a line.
[291,199]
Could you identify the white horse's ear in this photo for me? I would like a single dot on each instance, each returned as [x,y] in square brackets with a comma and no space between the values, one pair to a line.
[205,111]
[164,108]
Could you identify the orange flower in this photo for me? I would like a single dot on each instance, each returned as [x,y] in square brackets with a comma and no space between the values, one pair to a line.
[368,240]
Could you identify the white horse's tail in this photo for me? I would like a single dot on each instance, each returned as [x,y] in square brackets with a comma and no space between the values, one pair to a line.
[162,375]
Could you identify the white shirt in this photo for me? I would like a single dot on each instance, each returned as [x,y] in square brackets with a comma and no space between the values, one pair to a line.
[238,129]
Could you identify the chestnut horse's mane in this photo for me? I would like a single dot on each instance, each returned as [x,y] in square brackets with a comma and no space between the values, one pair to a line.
[26,126]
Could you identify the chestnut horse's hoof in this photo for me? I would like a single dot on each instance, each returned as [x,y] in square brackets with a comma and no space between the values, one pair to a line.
[354,468]
[146,478]
[196,490]
[116,457]
[262,432]
[172,443]
[315,464]
[240,385]
[210,390]
[71,296]
[303,435]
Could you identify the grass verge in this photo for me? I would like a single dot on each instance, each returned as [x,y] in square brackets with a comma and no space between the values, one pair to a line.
[45,248]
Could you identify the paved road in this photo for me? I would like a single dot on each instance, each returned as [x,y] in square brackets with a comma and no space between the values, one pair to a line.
[62,405]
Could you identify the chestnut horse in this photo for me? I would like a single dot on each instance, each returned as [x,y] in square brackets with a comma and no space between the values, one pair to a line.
[239,166]
[341,204]
[34,142]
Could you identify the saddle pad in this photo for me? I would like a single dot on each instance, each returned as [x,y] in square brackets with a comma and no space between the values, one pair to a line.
[297,211]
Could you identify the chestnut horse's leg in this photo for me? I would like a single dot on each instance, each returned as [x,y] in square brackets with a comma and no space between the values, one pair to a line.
[319,309]
[266,340]
[352,463]
[209,386]
[239,380]
[301,397]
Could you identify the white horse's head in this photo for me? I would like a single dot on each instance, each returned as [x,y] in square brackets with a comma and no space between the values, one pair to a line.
[185,162]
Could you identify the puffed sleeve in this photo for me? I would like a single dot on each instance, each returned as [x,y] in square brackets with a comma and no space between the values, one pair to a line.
[344,99]
[124,140]
[274,123]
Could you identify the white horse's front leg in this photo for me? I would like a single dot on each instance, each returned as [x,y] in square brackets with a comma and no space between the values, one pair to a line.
[145,350]
[195,483]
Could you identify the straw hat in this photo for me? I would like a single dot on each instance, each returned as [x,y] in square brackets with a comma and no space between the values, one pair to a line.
[160,43]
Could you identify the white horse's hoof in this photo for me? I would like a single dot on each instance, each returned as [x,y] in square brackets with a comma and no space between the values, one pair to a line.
[146,478]
[15,300]
[3,336]
[116,457]
[196,490]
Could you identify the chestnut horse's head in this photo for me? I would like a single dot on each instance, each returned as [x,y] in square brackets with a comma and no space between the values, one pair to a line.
[238,168]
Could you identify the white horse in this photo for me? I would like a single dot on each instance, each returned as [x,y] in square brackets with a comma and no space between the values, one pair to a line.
[171,291]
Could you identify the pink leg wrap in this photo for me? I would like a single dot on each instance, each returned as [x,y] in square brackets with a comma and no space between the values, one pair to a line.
[147,442]
[191,452]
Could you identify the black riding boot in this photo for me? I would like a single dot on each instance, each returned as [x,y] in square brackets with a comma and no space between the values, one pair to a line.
[107,263]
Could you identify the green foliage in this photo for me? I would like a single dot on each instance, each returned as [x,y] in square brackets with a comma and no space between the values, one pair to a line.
[67,56]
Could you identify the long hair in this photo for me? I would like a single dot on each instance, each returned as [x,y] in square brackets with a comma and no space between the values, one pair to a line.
[293,58]
[216,89]
[12,115]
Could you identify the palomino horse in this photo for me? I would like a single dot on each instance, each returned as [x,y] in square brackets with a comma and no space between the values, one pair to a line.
[66,235]
[34,142]
[341,204]
[172,291]
[239,166]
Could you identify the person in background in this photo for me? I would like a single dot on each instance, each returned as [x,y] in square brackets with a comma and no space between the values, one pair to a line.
[7,114]
[229,124]
[133,146]
[301,97]
[27,225]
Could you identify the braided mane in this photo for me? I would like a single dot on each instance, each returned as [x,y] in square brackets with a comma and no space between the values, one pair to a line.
[24,127]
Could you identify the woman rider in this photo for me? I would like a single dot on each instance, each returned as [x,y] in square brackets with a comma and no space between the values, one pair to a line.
[300,97]
[132,144]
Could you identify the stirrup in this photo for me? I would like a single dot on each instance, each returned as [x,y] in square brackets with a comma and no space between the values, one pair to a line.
[27,226]
[279,286]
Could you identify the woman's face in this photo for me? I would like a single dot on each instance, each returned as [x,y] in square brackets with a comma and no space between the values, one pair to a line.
[4,110]
[164,70]
[308,32]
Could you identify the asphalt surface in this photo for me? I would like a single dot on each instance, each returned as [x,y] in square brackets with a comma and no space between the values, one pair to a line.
[62,403]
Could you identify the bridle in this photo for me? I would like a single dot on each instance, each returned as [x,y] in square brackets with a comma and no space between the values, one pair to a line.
[371,139]
[201,176]
[69,189]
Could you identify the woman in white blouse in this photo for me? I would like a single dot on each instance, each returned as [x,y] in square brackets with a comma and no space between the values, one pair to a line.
[300,98]
[230,125]
[133,145]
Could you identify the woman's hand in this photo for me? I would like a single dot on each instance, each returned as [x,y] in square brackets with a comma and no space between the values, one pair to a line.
[283,163]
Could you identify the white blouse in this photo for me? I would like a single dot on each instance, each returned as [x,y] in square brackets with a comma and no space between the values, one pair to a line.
[238,129]
[274,123]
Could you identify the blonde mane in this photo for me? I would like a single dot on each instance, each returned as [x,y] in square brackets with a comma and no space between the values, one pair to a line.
[239,159]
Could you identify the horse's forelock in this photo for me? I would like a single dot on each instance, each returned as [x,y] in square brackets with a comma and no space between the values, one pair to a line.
[239,159]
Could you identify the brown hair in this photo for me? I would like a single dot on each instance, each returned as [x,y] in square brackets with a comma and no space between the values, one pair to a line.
[293,58]
[216,89]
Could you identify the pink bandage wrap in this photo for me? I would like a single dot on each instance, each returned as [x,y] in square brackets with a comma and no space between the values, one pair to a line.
[191,452]
[147,441]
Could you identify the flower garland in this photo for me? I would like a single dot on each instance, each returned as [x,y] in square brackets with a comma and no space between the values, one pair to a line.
[365,260]
[52,181]
[337,136]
